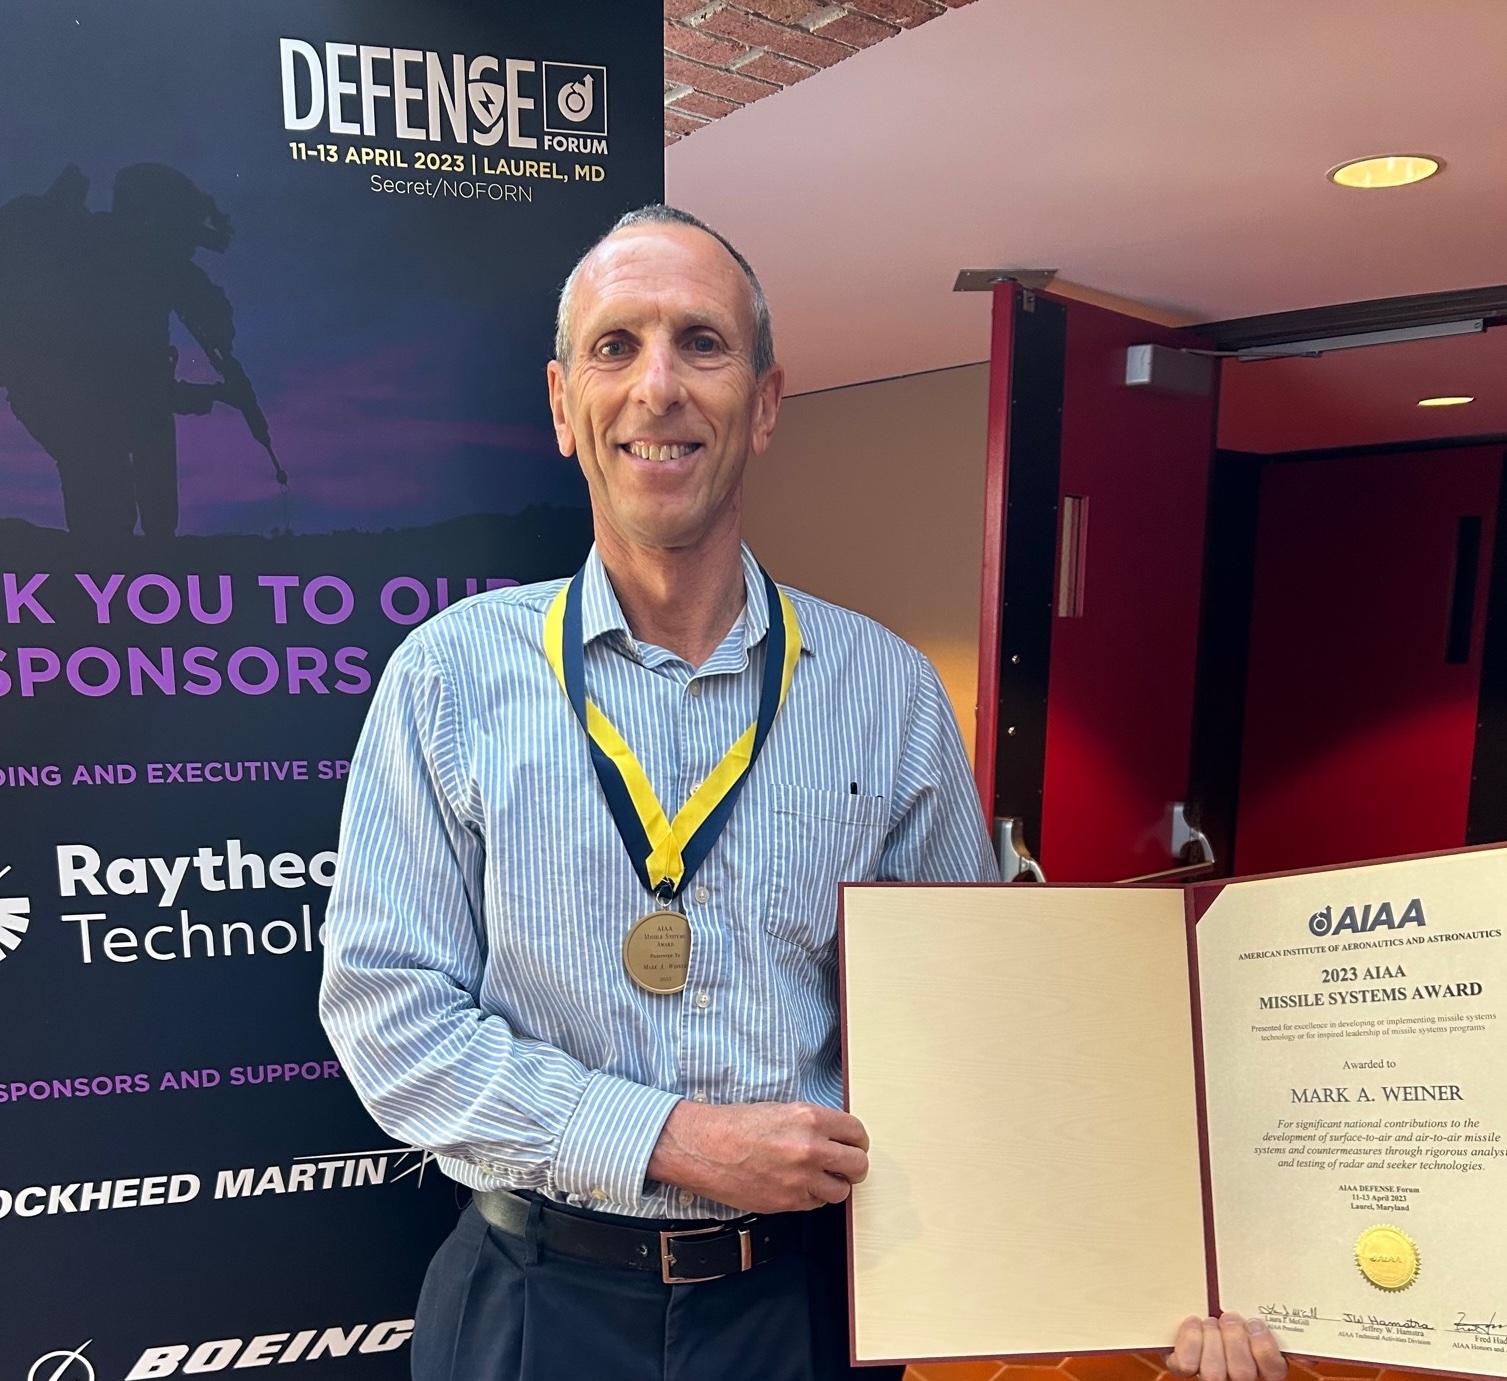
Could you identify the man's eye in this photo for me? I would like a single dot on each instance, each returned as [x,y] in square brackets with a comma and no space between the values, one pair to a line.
[703,345]
[614,349]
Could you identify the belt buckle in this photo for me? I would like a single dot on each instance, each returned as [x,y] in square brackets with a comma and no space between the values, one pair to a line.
[667,1241]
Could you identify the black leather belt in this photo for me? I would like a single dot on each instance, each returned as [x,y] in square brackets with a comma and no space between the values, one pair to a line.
[681,1255]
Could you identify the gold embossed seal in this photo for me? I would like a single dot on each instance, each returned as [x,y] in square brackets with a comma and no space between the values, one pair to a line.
[657,952]
[1387,1257]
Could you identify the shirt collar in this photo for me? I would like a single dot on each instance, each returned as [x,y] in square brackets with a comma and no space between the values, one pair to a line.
[601,613]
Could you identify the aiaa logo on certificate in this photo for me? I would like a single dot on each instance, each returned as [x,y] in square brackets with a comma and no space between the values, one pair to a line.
[1371,916]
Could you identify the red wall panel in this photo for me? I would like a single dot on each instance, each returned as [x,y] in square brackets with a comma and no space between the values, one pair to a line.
[1122,675]
[1359,735]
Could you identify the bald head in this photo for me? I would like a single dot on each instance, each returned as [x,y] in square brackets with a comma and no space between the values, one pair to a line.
[647,217]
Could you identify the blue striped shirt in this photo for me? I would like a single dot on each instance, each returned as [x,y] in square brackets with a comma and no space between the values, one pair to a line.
[474,983]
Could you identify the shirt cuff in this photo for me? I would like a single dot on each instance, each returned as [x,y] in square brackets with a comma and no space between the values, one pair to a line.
[605,1149]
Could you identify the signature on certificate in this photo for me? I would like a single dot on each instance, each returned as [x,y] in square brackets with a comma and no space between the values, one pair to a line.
[1488,1327]
[1287,1315]
[1374,1321]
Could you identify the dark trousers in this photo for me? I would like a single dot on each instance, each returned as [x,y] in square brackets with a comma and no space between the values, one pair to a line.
[499,1308]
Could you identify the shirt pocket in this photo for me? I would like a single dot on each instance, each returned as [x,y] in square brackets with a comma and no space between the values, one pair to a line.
[822,837]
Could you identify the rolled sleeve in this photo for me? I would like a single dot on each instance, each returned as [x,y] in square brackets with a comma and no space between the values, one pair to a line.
[605,1148]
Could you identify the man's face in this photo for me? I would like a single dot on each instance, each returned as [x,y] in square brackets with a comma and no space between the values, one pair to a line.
[661,405]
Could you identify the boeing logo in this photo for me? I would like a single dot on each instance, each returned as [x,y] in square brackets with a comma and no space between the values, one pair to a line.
[63,1366]
[306,1345]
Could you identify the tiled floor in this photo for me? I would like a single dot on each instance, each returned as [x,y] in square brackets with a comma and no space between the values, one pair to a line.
[1145,1367]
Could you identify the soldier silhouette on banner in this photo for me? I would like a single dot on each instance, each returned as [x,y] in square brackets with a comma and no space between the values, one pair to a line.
[85,348]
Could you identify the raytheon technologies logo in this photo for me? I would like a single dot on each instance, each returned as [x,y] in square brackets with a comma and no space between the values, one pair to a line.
[1371,916]
[15,921]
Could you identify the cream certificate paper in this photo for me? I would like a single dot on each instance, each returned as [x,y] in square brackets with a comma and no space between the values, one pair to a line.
[1023,1060]
[1355,1048]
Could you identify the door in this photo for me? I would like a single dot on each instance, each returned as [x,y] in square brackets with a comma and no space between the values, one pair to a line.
[1094,551]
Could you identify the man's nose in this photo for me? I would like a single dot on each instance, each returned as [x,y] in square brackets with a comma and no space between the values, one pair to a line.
[659,386]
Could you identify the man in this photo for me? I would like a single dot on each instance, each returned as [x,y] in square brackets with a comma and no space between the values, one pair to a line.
[622,1033]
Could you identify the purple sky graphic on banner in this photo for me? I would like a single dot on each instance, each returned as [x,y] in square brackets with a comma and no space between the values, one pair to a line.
[205,283]
[394,337]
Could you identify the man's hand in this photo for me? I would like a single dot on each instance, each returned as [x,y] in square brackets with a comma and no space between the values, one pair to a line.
[1228,1348]
[762,1157]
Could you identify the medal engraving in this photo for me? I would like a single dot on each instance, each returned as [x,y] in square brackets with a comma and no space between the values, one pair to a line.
[657,952]
[1387,1258]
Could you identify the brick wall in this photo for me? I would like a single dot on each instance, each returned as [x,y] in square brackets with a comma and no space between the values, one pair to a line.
[721,56]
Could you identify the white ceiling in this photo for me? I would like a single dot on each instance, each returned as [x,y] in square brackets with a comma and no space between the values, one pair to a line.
[1168,151]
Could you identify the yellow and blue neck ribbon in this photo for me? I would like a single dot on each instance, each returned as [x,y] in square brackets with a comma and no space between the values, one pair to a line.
[666,853]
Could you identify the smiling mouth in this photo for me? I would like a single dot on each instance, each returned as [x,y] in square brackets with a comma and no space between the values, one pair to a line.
[661,450]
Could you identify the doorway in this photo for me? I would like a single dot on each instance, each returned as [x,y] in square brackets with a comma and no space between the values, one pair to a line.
[1241,617]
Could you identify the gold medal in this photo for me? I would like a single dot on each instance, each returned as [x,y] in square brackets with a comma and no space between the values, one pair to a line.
[1387,1258]
[666,853]
[657,952]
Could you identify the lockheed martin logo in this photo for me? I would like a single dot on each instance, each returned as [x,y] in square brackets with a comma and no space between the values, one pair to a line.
[15,921]
[63,1366]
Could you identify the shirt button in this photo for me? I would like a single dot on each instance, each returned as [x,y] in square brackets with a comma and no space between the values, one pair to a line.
[599,1194]
[685,1196]
[703,1000]
[695,687]
[700,1098]
[703,895]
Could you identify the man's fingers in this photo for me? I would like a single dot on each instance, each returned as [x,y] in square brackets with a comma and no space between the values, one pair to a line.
[1270,1362]
[1211,1364]
[843,1127]
[1186,1351]
[847,1161]
[831,1189]
[1239,1365]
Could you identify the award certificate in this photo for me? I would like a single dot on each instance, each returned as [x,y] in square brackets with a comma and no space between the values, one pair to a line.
[1097,1110]
[1355,1041]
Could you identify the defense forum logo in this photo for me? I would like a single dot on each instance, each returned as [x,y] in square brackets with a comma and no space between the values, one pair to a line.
[15,921]
[63,1366]
[575,99]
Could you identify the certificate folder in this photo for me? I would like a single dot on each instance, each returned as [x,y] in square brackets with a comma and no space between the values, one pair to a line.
[1096,1110]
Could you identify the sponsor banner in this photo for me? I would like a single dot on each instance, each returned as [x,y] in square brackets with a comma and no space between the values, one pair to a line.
[276,294]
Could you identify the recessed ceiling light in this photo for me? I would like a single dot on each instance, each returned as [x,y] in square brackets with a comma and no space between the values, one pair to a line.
[1391,170]
[1449,400]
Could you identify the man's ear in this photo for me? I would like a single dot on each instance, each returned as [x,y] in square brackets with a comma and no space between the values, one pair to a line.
[565,434]
[767,395]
